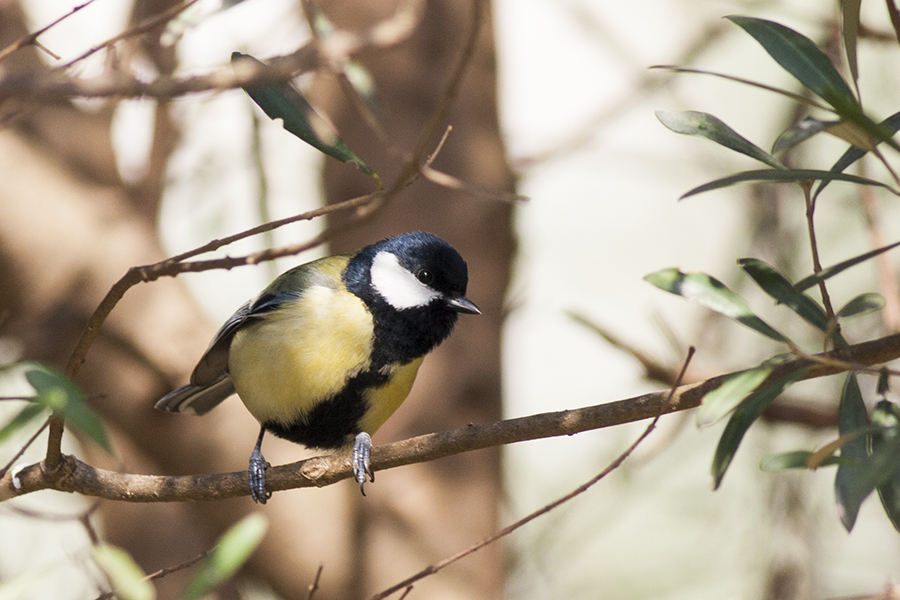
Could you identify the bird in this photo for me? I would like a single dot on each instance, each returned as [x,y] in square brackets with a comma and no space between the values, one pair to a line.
[331,348]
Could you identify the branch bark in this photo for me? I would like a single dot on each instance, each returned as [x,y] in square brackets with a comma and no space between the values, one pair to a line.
[78,477]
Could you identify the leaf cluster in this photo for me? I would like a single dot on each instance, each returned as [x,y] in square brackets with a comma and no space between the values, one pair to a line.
[867,450]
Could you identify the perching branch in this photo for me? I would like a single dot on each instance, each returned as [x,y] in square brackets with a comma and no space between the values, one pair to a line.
[612,466]
[76,476]
[388,32]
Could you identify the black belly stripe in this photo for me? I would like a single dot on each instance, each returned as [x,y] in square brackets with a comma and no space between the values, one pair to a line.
[333,423]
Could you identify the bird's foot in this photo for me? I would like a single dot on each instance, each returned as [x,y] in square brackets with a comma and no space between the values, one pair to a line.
[362,469]
[257,475]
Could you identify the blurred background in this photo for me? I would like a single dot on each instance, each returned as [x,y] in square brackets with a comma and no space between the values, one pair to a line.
[557,104]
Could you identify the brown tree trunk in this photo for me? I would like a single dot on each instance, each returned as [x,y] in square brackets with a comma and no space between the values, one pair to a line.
[416,516]
[70,229]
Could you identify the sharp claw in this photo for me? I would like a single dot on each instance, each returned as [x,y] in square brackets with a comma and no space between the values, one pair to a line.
[257,477]
[362,468]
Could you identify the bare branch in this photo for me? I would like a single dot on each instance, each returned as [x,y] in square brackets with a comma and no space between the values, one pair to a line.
[75,476]
[31,38]
[612,466]
[335,49]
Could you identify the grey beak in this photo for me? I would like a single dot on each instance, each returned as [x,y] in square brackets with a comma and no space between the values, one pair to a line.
[462,305]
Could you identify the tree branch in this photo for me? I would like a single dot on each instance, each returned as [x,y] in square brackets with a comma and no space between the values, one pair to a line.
[337,48]
[76,476]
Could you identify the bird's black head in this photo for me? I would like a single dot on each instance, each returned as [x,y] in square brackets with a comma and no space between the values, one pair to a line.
[415,285]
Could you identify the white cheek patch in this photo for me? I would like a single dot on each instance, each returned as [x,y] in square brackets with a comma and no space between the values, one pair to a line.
[396,285]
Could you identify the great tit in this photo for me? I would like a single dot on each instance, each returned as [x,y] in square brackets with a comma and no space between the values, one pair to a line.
[326,353]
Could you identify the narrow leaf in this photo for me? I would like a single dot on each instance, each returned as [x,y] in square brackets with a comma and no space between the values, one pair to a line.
[744,416]
[799,133]
[887,414]
[707,126]
[852,416]
[782,291]
[56,392]
[853,154]
[818,458]
[863,304]
[877,470]
[800,57]
[884,382]
[722,400]
[714,295]
[283,101]
[25,416]
[128,580]
[784,176]
[850,32]
[829,272]
[853,134]
[232,551]
[798,459]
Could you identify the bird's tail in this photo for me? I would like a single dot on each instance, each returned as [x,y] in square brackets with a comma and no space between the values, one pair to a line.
[196,400]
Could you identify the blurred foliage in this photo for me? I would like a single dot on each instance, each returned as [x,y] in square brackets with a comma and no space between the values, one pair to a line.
[867,451]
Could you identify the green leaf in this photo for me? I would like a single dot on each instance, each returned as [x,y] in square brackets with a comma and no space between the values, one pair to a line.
[232,551]
[744,416]
[783,176]
[25,416]
[878,470]
[707,126]
[714,295]
[829,272]
[799,133]
[798,459]
[56,392]
[850,31]
[283,101]
[722,400]
[128,580]
[887,414]
[853,154]
[884,382]
[800,57]
[782,291]
[852,416]
[863,304]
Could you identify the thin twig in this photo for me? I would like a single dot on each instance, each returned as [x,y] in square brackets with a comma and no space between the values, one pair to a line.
[24,448]
[78,477]
[169,570]
[31,38]
[313,13]
[473,189]
[806,186]
[315,584]
[432,569]
[139,29]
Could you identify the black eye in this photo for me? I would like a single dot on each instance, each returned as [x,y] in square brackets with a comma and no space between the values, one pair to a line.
[425,276]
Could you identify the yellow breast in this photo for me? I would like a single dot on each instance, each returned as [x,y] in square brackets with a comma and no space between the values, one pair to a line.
[301,354]
[384,400]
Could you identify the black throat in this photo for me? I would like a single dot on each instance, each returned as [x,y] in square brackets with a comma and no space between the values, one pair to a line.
[400,335]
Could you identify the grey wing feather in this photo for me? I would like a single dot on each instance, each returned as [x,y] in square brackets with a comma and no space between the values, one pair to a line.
[193,400]
[210,382]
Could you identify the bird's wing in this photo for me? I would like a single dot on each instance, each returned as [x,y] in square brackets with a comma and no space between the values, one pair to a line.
[210,381]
